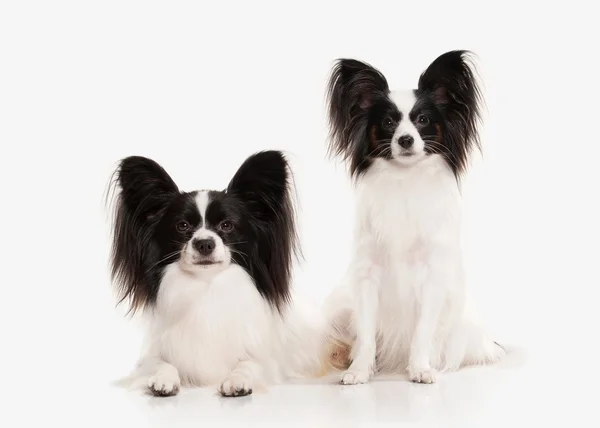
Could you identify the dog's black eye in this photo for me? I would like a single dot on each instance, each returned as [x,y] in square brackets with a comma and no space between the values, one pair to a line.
[182,226]
[388,122]
[226,226]
[422,119]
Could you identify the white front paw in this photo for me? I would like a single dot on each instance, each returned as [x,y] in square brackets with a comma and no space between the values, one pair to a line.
[421,375]
[355,376]
[235,386]
[164,384]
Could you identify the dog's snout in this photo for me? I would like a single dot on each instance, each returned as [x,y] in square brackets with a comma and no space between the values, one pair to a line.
[204,246]
[406,141]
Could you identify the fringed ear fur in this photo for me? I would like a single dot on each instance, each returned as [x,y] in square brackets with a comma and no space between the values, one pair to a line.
[143,189]
[451,81]
[353,88]
[263,185]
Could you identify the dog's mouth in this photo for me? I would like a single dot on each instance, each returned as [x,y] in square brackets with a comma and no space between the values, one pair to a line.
[409,157]
[206,262]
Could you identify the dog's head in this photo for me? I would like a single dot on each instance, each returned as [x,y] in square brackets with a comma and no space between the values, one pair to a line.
[250,223]
[368,121]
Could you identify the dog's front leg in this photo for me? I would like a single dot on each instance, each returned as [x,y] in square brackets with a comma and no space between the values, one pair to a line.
[366,283]
[433,298]
[164,378]
[242,379]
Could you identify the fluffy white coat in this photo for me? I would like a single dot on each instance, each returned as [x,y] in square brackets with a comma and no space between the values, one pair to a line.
[213,328]
[403,305]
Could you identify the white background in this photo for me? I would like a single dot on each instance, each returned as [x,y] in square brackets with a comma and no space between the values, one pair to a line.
[198,88]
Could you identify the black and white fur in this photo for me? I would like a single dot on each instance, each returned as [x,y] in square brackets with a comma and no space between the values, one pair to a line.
[210,273]
[404,304]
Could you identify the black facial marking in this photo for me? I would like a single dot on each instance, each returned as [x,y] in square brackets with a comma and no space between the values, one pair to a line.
[168,237]
[430,129]
[383,119]
[224,207]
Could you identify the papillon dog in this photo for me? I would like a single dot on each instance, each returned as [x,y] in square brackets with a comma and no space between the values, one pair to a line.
[403,305]
[209,271]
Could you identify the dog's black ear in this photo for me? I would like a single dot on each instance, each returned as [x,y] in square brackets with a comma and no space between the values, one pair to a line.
[353,88]
[355,84]
[146,188]
[143,192]
[451,78]
[451,82]
[263,183]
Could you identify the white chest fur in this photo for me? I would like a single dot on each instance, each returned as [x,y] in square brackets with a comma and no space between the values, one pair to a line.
[401,207]
[404,304]
[407,242]
[205,326]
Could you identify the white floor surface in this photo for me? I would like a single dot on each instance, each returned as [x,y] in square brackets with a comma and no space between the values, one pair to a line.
[518,392]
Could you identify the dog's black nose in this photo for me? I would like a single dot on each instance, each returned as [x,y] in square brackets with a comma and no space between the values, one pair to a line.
[204,246]
[406,141]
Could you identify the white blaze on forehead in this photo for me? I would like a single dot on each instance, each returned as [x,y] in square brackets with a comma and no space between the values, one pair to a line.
[405,101]
[202,203]
[220,253]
